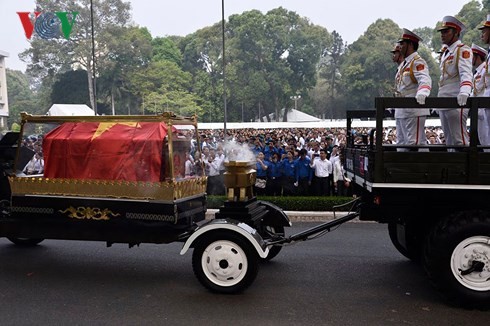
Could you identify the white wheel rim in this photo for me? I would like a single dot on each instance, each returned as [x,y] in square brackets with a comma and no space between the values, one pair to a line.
[224,263]
[472,249]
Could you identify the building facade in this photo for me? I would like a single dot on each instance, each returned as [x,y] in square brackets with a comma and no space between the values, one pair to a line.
[4,104]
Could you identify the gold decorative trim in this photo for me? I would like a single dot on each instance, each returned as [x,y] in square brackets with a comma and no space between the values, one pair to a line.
[89,213]
[167,190]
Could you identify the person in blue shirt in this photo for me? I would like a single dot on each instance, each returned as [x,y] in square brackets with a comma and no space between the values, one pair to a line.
[258,147]
[269,150]
[274,176]
[261,167]
[288,172]
[303,173]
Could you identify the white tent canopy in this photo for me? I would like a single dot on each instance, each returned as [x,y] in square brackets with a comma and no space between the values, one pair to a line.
[292,116]
[70,109]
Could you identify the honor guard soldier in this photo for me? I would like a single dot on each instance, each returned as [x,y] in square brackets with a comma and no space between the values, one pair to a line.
[456,81]
[479,85]
[485,80]
[412,80]
[397,57]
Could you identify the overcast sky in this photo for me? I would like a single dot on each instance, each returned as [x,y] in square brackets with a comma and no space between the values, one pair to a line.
[350,18]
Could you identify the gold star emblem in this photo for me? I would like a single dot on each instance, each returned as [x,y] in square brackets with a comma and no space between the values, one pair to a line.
[105,126]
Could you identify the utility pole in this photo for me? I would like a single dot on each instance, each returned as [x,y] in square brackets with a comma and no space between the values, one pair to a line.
[224,65]
[94,83]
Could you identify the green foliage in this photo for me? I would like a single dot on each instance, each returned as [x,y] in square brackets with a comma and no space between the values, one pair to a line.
[48,57]
[21,98]
[268,58]
[307,203]
[367,70]
[71,88]
[163,86]
[165,49]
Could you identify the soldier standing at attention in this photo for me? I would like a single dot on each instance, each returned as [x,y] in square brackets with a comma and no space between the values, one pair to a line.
[485,124]
[479,85]
[412,80]
[456,81]
[397,57]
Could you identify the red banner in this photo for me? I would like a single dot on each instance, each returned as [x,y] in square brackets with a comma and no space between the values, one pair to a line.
[130,151]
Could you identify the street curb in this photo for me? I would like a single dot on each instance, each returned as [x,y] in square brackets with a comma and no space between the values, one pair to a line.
[295,216]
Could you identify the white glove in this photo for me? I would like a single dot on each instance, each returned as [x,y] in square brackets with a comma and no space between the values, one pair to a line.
[462,98]
[420,99]
[296,184]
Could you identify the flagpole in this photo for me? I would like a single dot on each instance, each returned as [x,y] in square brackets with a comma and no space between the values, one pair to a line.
[94,83]
[224,65]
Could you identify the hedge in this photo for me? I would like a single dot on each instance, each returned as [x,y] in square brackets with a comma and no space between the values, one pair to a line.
[307,203]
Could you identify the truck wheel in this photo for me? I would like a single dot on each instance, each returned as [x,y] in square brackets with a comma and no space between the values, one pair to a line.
[274,250]
[457,259]
[225,262]
[26,242]
[412,251]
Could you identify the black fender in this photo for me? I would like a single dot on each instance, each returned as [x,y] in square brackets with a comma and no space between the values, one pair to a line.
[275,215]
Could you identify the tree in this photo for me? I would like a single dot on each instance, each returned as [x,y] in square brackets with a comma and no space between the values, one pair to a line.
[47,57]
[163,86]
[20,96]
[165,49]
[279,49]
[132,51]
[367,70]
[71,88]
[329,70]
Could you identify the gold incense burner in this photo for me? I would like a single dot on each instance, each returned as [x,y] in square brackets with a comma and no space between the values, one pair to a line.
[239,180]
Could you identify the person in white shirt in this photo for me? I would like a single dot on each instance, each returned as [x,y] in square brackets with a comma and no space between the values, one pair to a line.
[322,168]
[412,80]
[35,165]
[456,81]
[340,181]
[214,186]
[485,124]
[479,85]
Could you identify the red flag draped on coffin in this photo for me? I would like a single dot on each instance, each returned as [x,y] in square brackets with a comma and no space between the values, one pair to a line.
[130,151]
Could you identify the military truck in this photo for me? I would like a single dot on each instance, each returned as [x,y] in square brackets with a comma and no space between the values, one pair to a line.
[435,199]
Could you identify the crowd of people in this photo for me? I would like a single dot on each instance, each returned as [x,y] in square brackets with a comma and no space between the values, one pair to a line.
[289,162]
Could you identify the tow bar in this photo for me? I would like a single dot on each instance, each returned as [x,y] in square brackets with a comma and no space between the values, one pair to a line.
[321,229]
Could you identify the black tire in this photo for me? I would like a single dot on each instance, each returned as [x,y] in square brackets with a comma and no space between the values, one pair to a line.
[238,263]
[274,250]
[453,246]
[26,242]
[414,246]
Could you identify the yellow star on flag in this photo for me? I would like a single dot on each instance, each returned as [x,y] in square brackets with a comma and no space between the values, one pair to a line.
[105,126]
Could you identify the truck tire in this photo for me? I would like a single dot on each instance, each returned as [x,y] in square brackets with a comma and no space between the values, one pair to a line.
[457,258]
[413,248]
[225,262]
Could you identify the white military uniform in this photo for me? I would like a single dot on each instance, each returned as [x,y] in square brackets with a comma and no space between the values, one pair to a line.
[456,77]
[485,112]
[480,80]
[412,79]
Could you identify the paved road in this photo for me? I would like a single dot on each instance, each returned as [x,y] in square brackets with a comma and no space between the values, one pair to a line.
[351,276]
